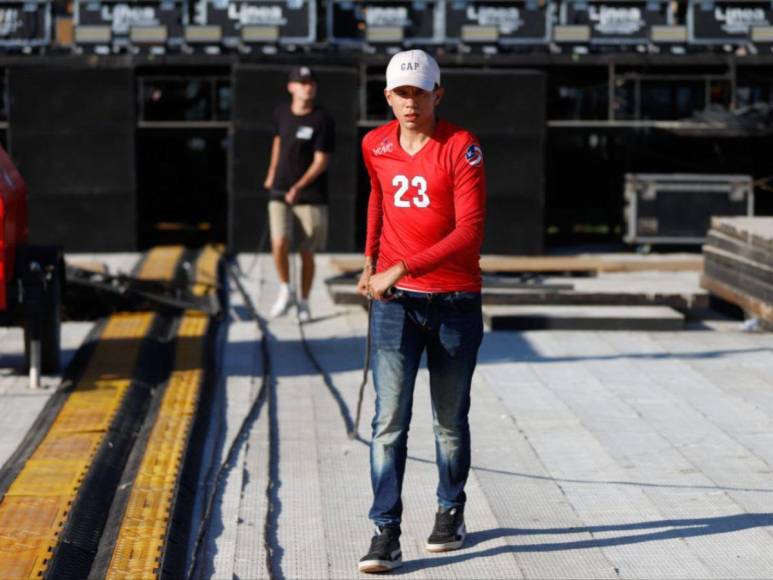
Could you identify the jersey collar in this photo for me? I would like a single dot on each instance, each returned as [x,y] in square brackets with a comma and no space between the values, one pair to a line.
[432,139]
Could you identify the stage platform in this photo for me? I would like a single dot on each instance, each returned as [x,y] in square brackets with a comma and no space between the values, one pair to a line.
[595,454]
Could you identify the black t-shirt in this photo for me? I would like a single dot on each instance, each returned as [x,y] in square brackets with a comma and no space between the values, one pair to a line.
[299,137]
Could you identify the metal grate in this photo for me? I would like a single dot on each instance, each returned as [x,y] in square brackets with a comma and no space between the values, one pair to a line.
[141,539]
[35,508]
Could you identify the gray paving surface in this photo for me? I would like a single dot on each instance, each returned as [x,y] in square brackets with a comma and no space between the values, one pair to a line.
[596,455]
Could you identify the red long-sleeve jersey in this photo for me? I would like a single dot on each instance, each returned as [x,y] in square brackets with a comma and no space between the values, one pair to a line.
[427,209]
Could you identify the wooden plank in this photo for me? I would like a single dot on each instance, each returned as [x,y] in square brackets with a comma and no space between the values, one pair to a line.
[547,264]
[739,264]
[718,240]
[626,263]
[759,308]
[347,294]
[746,284]
[754,231]
[648,318]
[351,278]
[89,266]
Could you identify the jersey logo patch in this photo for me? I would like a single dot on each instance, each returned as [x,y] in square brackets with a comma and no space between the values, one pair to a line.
[383,148]
[474,155]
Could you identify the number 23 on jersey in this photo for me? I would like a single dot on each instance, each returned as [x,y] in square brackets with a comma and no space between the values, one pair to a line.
[405,187]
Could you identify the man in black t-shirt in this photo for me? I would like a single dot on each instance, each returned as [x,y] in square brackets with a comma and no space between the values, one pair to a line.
[300,153]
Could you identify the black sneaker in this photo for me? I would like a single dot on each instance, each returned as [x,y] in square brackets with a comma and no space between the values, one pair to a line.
[384,554]
[449,532]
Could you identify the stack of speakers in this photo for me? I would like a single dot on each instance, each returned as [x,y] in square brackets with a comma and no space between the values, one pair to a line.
[739,264]
[508,116]
[71,135]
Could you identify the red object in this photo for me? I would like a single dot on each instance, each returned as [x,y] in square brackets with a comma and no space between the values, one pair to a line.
[427,209]
[13,221]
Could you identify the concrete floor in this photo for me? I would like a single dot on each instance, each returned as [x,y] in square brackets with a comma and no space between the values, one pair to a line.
[595,454]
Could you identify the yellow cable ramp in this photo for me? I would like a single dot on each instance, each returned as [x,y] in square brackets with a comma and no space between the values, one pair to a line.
[36,505]
[140,542]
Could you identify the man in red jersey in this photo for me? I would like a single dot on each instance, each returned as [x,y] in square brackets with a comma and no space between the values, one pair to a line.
[425,228]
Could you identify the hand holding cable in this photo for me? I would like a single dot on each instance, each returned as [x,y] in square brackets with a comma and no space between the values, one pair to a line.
[379,284]
[362,283]
[371,291]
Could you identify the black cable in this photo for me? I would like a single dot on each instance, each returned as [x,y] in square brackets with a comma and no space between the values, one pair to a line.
[353,433]
[342,407]
[243,433]
[351,427]
[267,384]
[252,415]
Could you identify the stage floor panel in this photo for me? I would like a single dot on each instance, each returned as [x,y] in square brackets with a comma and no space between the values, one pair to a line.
[596,454]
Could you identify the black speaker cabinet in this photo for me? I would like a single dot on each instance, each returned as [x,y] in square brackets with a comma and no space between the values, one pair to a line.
[71,134]
[506,110]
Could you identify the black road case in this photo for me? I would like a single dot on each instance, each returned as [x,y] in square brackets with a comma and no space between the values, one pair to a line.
[677,208]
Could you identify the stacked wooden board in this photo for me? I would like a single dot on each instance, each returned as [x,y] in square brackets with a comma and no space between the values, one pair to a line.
[580,264]
[585,292]
[548,317]
[738,264]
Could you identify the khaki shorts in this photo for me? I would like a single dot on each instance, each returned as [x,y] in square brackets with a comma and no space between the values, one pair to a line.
[307,222]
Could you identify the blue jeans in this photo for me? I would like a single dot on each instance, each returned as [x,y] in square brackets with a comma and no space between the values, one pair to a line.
[450,327]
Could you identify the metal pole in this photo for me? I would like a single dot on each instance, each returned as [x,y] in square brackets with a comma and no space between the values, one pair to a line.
[35,362]
[611,86]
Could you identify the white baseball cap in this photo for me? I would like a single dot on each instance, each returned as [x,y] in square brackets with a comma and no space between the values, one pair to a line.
[413,68]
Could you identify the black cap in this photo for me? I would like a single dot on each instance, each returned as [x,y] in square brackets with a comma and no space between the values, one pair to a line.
[301,74]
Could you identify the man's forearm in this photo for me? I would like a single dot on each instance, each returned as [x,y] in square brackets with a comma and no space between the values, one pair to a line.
[273,162]
[271,173]
[313,172]
[461,239]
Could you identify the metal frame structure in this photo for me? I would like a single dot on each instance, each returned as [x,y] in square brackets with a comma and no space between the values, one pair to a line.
[497,21]
[212,123]
[24,5]
[119,34]
[694,5]
[259,24]
[390,34]
[616,40]
[675,34]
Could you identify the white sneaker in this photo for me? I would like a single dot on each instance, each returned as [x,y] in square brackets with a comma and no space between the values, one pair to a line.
[304,315]
[283,302]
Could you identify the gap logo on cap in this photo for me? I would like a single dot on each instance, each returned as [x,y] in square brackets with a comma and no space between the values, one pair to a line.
[474,155]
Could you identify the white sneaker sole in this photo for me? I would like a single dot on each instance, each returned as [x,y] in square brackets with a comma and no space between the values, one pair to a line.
[377,566]
[279,312]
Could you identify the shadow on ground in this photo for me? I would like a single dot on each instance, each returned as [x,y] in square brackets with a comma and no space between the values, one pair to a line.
[347,354]
[653,531]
